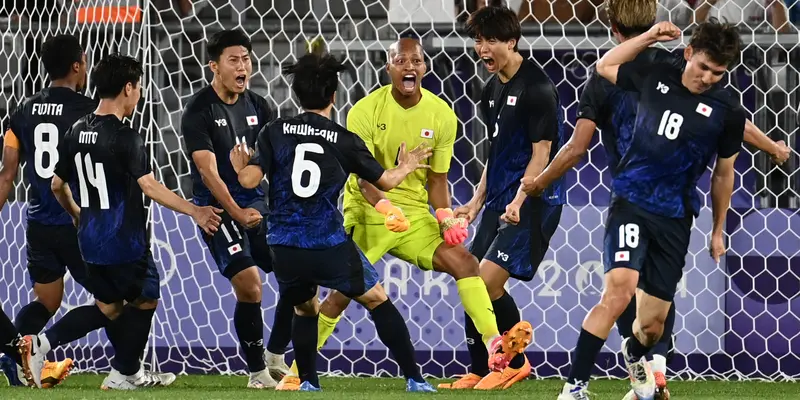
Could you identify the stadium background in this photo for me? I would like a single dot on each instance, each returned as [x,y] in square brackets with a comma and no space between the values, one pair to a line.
[738,319]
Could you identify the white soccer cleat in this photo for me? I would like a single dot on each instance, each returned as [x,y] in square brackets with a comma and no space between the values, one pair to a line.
[33,359]
[574,392]
[142,379]
[276,365]
[643,383]
[261,380]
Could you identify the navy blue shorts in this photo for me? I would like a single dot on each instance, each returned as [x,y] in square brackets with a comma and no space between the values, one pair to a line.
[235,248]
[652,244]
[343,268]
[52,249]
[128,281]
[519,249]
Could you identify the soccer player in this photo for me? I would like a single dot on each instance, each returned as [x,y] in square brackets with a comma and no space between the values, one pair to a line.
[683,120]
[613,110]
[106,161]
[521,108]
[36,127]
[307,160]
[214,120]
[404,112]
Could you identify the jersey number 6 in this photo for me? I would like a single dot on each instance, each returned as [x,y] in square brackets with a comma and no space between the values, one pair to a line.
[302,165]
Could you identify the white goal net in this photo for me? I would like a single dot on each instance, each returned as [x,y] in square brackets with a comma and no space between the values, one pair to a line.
[738,319]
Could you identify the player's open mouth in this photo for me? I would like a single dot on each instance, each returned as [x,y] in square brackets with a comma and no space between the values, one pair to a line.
[488,61]
[409,81]
[240,80]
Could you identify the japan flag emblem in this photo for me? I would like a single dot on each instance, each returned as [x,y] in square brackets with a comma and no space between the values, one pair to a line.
[252,120]
[426,133]
[622,256]
[235,249]
[511,100]
[703,109]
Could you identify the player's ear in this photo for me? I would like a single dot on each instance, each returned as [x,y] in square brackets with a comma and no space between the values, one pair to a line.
[687,53]
[333,98]
[213,66]
[512,44]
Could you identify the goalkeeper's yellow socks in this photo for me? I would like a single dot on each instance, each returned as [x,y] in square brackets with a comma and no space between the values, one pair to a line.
[476,302]
[325,328]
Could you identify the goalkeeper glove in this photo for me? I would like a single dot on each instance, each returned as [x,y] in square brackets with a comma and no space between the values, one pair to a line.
[454,230]
[395,220]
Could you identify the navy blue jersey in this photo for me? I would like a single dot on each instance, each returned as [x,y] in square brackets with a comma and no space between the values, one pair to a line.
[210,124]
[307,160]
[104,158]
[675,136]
[614,109]
[40,123]
[518,113]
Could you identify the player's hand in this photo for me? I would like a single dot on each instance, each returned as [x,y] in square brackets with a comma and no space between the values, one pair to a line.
[716,247]
[240,156]
[664,32]
[249,218]
[413,159]
[454,229]
[511,215]
[532,186]
[395,220]
[782,153]
[76,220]
[468,212]
[207,218]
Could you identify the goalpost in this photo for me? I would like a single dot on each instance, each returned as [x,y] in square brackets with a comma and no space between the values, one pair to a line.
[736,320]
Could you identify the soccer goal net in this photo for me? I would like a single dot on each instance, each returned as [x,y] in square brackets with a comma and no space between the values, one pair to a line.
[738,319]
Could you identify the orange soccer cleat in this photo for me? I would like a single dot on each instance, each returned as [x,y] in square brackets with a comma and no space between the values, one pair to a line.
[505,348]
[467,381]
[54,373]
[289,383]
[505,378]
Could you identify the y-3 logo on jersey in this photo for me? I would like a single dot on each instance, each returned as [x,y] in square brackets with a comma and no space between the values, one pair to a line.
[221,122]
[662,88]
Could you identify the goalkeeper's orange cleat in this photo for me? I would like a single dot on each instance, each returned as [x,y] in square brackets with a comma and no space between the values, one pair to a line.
[395,219]
[504,379]
[54,373]
[467,381]
[505,348]
[289,383]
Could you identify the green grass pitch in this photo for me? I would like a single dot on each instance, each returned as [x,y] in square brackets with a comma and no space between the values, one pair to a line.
[211,387]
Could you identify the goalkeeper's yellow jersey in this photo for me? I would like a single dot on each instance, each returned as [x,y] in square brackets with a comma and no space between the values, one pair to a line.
[384,125]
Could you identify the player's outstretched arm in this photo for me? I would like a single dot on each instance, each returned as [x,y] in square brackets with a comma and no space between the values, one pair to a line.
[567,158]
[722,180]
[408,162]
[8,170]
[537,163]
[64,197]
[609,64]
[470,210]
[779,151]
[205,217]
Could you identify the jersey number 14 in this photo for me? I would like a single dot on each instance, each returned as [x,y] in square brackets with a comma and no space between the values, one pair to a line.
[670,125]
[95,174]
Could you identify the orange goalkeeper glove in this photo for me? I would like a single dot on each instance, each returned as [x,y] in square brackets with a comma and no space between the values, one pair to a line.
[395,220]
[454,230]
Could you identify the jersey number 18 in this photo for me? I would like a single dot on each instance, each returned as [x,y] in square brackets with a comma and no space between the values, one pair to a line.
[670,125]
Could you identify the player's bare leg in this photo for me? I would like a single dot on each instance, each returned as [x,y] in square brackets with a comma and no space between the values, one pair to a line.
[658,356]
[457,262]
[651,315]
[248,321]
[620,286]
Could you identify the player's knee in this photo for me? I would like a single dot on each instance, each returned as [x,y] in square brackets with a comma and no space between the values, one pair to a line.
[145,304]
[456,262]
[615,299]
[50,295]
[373,298]
[247,286]
[334,305]
[111,310]
[650,331]
[495,278]
[309,308]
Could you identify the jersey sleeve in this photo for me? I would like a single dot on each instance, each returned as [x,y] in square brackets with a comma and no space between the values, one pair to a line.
[263,156]
[195,129]
[135,159]
[359,121]
[360,160]
[265,111]
[65,167]
[542,101]
[631,75]
[592,105]
[730,142]
[443,145]
[10,138]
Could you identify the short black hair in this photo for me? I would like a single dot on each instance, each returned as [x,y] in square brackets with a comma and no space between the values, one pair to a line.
[499,23]
[221,40]
[113,72]
[315,79]
[720,42]
[59,54]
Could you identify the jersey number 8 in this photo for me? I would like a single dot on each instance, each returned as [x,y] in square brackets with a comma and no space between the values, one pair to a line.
[302,165]
[670,125]
[45,145]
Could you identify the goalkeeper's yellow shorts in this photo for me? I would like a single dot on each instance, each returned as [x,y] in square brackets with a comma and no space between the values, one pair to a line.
[415,245]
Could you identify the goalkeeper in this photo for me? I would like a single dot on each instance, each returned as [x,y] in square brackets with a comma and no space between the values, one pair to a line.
[405,112]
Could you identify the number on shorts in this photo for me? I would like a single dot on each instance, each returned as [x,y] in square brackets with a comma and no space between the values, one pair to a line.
[227,233]
[628,236]
[95,173]
[45,141]
[302,165]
